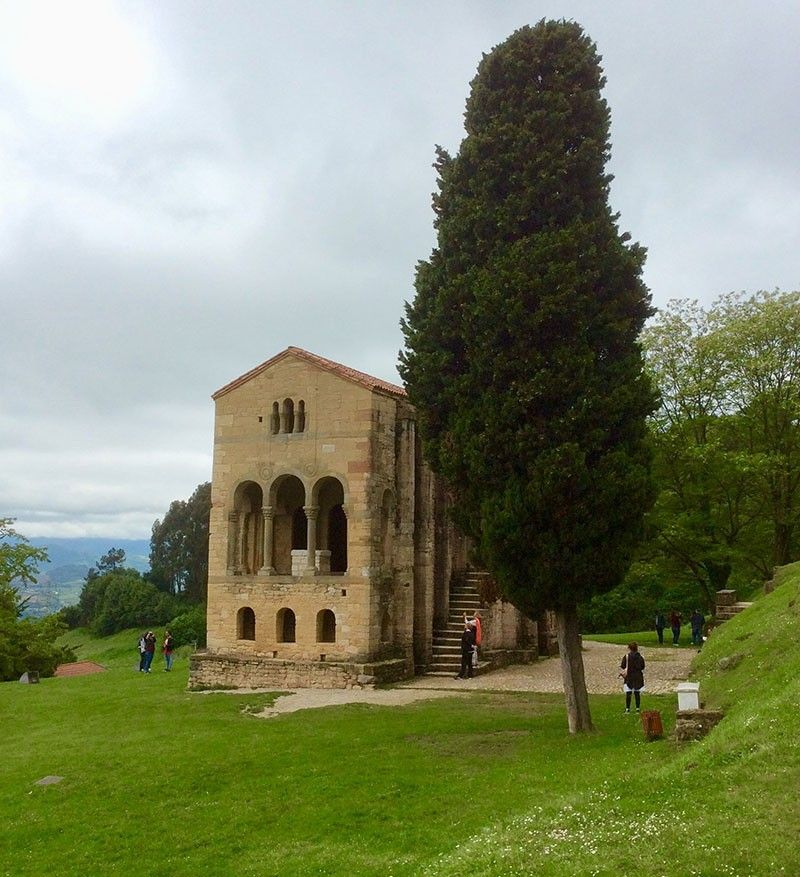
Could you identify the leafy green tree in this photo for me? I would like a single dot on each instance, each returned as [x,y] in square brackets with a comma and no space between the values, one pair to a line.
[521,353]
[179,546]
[726,438]
[25,643]
[759,336]
[129,601]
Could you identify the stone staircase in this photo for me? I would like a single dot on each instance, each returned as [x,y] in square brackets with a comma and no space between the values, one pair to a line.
[725,613]
[464,600]
[728,606]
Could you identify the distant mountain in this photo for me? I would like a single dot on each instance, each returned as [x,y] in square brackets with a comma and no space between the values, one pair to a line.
[87,550]
[61,580]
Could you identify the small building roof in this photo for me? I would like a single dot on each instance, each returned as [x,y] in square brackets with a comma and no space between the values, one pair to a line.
[343,371]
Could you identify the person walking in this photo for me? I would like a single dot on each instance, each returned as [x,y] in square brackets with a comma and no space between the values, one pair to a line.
[149,649]
[697,621]
[167,648]
[675,624]
[661,623]
[467,646]
[632,674]
[142,652]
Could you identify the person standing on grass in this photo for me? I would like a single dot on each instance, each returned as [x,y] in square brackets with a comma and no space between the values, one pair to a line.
[661,623]
[697,622]
[142,652]
[675,623]
[167,648]
[632,674]
[467,646]
[150,649]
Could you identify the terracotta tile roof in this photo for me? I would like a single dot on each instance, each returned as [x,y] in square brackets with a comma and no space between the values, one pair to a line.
[349,374]
[79,668]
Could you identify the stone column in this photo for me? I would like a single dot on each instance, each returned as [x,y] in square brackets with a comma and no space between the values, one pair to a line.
[233,543]
[267,569]
[311,517]
[347,534]
[239,563]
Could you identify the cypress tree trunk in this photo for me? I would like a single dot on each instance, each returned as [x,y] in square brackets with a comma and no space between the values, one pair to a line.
[569,647]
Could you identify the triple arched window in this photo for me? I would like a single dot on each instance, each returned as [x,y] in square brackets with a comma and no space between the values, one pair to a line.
[286,417]
[286,625]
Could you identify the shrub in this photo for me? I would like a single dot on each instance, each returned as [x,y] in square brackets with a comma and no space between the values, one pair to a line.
[190,627]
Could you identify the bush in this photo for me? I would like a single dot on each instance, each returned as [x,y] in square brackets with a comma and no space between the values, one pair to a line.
[127,601]
[190,627]
[29,644]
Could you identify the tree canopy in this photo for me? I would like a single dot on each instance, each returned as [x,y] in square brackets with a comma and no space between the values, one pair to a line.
[25,643]
[521,348]
[727,437]
[179,546]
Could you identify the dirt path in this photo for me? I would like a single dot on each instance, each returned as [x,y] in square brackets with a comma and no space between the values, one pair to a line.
[665,668]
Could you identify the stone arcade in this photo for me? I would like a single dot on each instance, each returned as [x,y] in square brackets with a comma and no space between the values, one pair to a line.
[331,555]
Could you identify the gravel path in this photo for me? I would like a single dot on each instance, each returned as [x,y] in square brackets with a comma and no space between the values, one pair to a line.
[665,668]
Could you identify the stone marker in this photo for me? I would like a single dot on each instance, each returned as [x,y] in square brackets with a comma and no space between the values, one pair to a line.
[30,677]
[48,781]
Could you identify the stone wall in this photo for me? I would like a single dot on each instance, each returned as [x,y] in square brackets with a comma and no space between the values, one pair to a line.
[228,670]
[504,628]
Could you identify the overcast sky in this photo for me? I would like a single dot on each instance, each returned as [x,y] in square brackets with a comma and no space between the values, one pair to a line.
[187,188]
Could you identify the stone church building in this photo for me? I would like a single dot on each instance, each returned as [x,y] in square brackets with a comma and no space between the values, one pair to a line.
[332,560]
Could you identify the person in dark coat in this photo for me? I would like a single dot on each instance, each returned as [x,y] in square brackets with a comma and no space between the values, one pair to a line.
[697,622]
[661,623]
[467,647]
[675,623]
[632,673]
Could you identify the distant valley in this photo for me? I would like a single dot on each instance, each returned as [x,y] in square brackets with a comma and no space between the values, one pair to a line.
[61,580]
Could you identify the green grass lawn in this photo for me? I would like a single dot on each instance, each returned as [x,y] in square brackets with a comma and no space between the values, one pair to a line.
[646,638]
[158,780]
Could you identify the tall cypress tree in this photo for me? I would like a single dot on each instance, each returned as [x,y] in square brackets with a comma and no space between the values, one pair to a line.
[521,348]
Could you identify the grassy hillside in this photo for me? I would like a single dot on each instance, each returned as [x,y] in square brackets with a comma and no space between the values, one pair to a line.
[160,780]
[728,805]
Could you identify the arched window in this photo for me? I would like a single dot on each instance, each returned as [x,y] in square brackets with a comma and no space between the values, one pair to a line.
[300,419]
[386,627]
[387,527]
[287,416]
[285,626]
[299,530]
[326,626]
[290,530]
[275,419]
[246,624]
[247,545]
[332,526]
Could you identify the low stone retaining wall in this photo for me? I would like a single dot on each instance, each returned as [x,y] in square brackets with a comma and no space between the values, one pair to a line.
[695,724]
[223,670]
[507,657]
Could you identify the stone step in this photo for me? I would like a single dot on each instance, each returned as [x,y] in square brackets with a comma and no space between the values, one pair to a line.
[483,667]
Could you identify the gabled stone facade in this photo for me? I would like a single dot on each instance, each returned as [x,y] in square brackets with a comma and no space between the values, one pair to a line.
[330,549]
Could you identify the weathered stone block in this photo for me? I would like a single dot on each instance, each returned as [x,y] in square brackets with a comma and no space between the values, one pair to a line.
[695,724]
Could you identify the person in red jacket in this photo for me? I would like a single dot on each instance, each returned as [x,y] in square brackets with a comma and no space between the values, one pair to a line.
[675,623]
